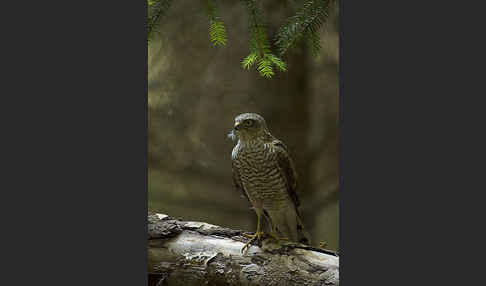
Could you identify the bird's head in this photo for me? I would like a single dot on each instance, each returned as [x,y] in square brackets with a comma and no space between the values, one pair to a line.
[248,126]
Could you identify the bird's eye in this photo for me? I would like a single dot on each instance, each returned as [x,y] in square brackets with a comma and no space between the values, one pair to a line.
[248,122]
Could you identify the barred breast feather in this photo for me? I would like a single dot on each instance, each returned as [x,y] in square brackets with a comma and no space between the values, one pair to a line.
[264,173]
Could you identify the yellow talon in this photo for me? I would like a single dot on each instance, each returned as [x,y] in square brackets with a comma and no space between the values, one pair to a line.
[252,237]
[278,238]
[258,235]
[275,234]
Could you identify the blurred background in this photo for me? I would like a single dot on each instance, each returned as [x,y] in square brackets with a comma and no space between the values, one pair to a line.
[196,90]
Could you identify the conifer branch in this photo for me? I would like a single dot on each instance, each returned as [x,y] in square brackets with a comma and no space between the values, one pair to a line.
[306,23]
[156,9]
[260,53]
[217,29]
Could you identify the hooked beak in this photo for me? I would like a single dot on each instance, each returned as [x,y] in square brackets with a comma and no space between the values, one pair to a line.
[232,133]
[237,125]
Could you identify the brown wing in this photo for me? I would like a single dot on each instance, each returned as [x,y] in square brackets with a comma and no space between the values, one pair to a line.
[287,166]
[237,179]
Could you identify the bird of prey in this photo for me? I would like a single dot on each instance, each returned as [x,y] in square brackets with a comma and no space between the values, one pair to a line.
[264,172]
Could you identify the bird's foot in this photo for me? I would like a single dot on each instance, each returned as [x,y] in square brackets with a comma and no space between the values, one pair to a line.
[258,235]
[277,237]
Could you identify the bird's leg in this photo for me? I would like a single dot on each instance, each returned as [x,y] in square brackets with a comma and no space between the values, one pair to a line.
[258,234]
[275,234]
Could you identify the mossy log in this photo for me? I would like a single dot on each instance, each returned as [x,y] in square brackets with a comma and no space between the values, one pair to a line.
[197,253]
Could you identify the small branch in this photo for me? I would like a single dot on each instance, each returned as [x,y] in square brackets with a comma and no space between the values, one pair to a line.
[321,250]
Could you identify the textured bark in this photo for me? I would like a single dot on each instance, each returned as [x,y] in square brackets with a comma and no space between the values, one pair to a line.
[197,253]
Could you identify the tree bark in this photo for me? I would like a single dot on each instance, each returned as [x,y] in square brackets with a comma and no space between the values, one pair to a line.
[198,253]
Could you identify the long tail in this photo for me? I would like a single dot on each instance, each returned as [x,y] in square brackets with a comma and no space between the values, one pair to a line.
[290,225]
[302,235]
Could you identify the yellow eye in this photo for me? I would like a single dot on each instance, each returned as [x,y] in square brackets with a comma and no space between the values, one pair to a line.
[248,122]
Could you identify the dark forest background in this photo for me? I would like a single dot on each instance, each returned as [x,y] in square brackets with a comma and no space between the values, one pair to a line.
[196,90]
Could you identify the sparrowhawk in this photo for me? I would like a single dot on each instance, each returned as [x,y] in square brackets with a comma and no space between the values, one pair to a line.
[264,172]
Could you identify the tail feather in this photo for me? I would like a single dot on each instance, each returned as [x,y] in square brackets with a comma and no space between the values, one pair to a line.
[302,235]
[289,225]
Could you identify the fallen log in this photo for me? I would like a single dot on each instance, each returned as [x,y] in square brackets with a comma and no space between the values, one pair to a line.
[197,253]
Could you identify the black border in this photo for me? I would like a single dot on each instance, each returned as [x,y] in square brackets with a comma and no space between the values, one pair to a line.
[74,143]
[74,151]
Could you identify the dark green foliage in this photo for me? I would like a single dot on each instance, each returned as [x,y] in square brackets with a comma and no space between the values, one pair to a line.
[306,23]
[217,30]
[156,9]
[260,52]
